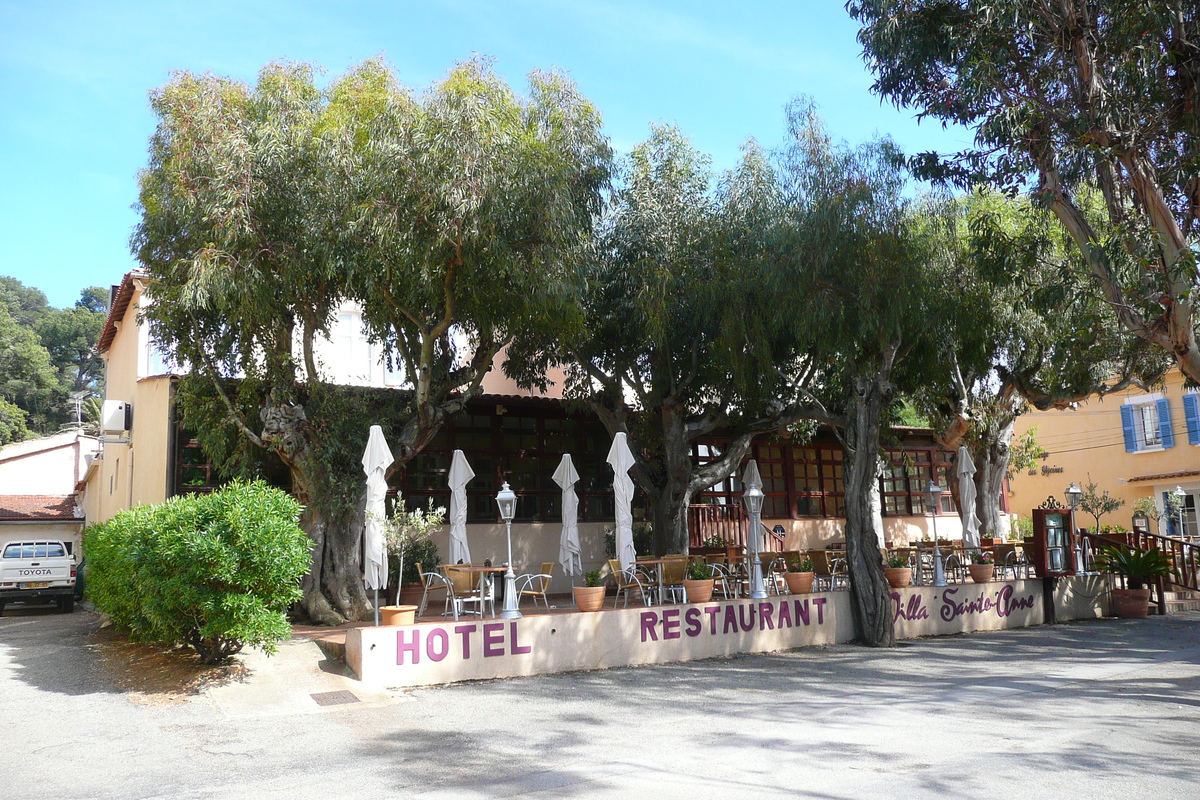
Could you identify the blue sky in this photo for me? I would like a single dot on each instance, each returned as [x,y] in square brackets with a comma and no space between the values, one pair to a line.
[74,80]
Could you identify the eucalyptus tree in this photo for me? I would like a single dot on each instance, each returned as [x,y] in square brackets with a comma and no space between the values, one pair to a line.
[874,305]
[1071,94]
[1033,333]
[677,339]
[443,214]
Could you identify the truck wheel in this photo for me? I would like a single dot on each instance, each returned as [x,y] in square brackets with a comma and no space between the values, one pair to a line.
[66,604]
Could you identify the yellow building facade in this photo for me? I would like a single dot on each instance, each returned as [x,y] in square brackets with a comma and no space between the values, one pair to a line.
[1132,444]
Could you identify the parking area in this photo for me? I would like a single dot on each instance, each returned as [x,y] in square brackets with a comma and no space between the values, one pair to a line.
[1099,709]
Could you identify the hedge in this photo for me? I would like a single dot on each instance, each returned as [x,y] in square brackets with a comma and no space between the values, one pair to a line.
[215,572]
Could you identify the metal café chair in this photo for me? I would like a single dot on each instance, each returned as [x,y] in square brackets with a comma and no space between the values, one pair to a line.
[673,573]
[626,581]
[436,584]
[536,585]
[467,590]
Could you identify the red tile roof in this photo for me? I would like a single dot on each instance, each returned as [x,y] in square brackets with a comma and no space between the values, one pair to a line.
[116,312]
[34,507]
[1166,476]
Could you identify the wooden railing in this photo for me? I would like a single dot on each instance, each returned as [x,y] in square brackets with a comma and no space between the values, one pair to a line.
[1185,556]
[730,522]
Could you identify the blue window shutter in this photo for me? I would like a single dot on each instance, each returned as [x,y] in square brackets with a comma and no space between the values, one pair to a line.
[1164,424]
[1131,441]
[1191,413]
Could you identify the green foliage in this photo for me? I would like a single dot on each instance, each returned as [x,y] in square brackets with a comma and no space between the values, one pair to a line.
[12,423]
[897,560]
[409,538]
[1138,566]
[214,572]
[1146,507]
[593,578]
[1097,503]
[643,539]
[266,207]
[980,557]
[716,540]
[803,564]
[699,571]
[1024,452]
[1076,98]
[45,354]
[1022,528]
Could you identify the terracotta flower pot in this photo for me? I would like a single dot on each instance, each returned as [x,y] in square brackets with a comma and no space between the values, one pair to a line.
[898,577]
[1130,603]
[799,582]
[698,591]
[589,598]
[390,616]
[981,573]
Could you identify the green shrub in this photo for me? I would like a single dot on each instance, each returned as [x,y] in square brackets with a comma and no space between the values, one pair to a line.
[215,572]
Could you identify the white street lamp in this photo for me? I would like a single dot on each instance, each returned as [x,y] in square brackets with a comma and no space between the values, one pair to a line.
[1180,497]
[753,498]
[507,501]
[939,569]
[1074,494]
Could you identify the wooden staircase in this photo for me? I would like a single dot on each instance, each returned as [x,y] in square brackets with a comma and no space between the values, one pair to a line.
[1179,592]
[1176,600]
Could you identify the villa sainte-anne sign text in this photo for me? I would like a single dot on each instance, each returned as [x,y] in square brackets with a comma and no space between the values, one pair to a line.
[478,649]
[958,601]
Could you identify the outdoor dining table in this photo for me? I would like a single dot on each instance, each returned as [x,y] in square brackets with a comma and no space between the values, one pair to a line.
[483,571]
[659,571]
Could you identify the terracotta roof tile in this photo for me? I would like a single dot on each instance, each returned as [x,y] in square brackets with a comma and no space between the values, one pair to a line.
[1166,476]
[38,507]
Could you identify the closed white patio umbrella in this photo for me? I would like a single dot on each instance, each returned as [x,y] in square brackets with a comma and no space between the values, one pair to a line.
[376,459]
[569,553]
[621,459]
[964,467]
[460,474]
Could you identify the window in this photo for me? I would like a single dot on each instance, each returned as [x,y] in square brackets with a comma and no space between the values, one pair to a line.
[353,354]
[523,449]
[904,485]
[1146,424]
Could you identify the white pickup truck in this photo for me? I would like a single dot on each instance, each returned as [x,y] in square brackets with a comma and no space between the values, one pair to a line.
[36,570]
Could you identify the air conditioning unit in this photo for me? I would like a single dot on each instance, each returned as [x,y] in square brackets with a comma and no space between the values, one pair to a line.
[116,416]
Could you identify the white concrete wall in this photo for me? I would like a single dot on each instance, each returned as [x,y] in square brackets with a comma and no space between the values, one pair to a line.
[472,649]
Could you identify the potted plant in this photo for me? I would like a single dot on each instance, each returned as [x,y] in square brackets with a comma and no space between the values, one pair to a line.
[799,575]
[982,566]
[1139,567]
[698,585]
[409,538]
[897,571]
[590,596]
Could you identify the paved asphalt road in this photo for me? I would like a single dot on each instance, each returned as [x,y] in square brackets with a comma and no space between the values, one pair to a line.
[1093,710]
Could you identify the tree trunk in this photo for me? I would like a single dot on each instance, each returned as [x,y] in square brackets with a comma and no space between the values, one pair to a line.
[333,588]
[870,594]
[990,467]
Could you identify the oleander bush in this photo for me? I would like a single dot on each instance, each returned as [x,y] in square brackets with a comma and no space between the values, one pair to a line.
[215,572]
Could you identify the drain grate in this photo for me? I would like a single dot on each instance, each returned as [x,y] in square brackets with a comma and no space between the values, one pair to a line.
[333,698]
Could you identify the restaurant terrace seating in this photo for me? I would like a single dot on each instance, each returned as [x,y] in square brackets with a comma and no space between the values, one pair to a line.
[437,585]
[466,589]
[626,581]
[536,585]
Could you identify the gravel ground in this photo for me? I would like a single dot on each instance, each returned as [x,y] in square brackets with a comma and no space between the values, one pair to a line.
[1087,710]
